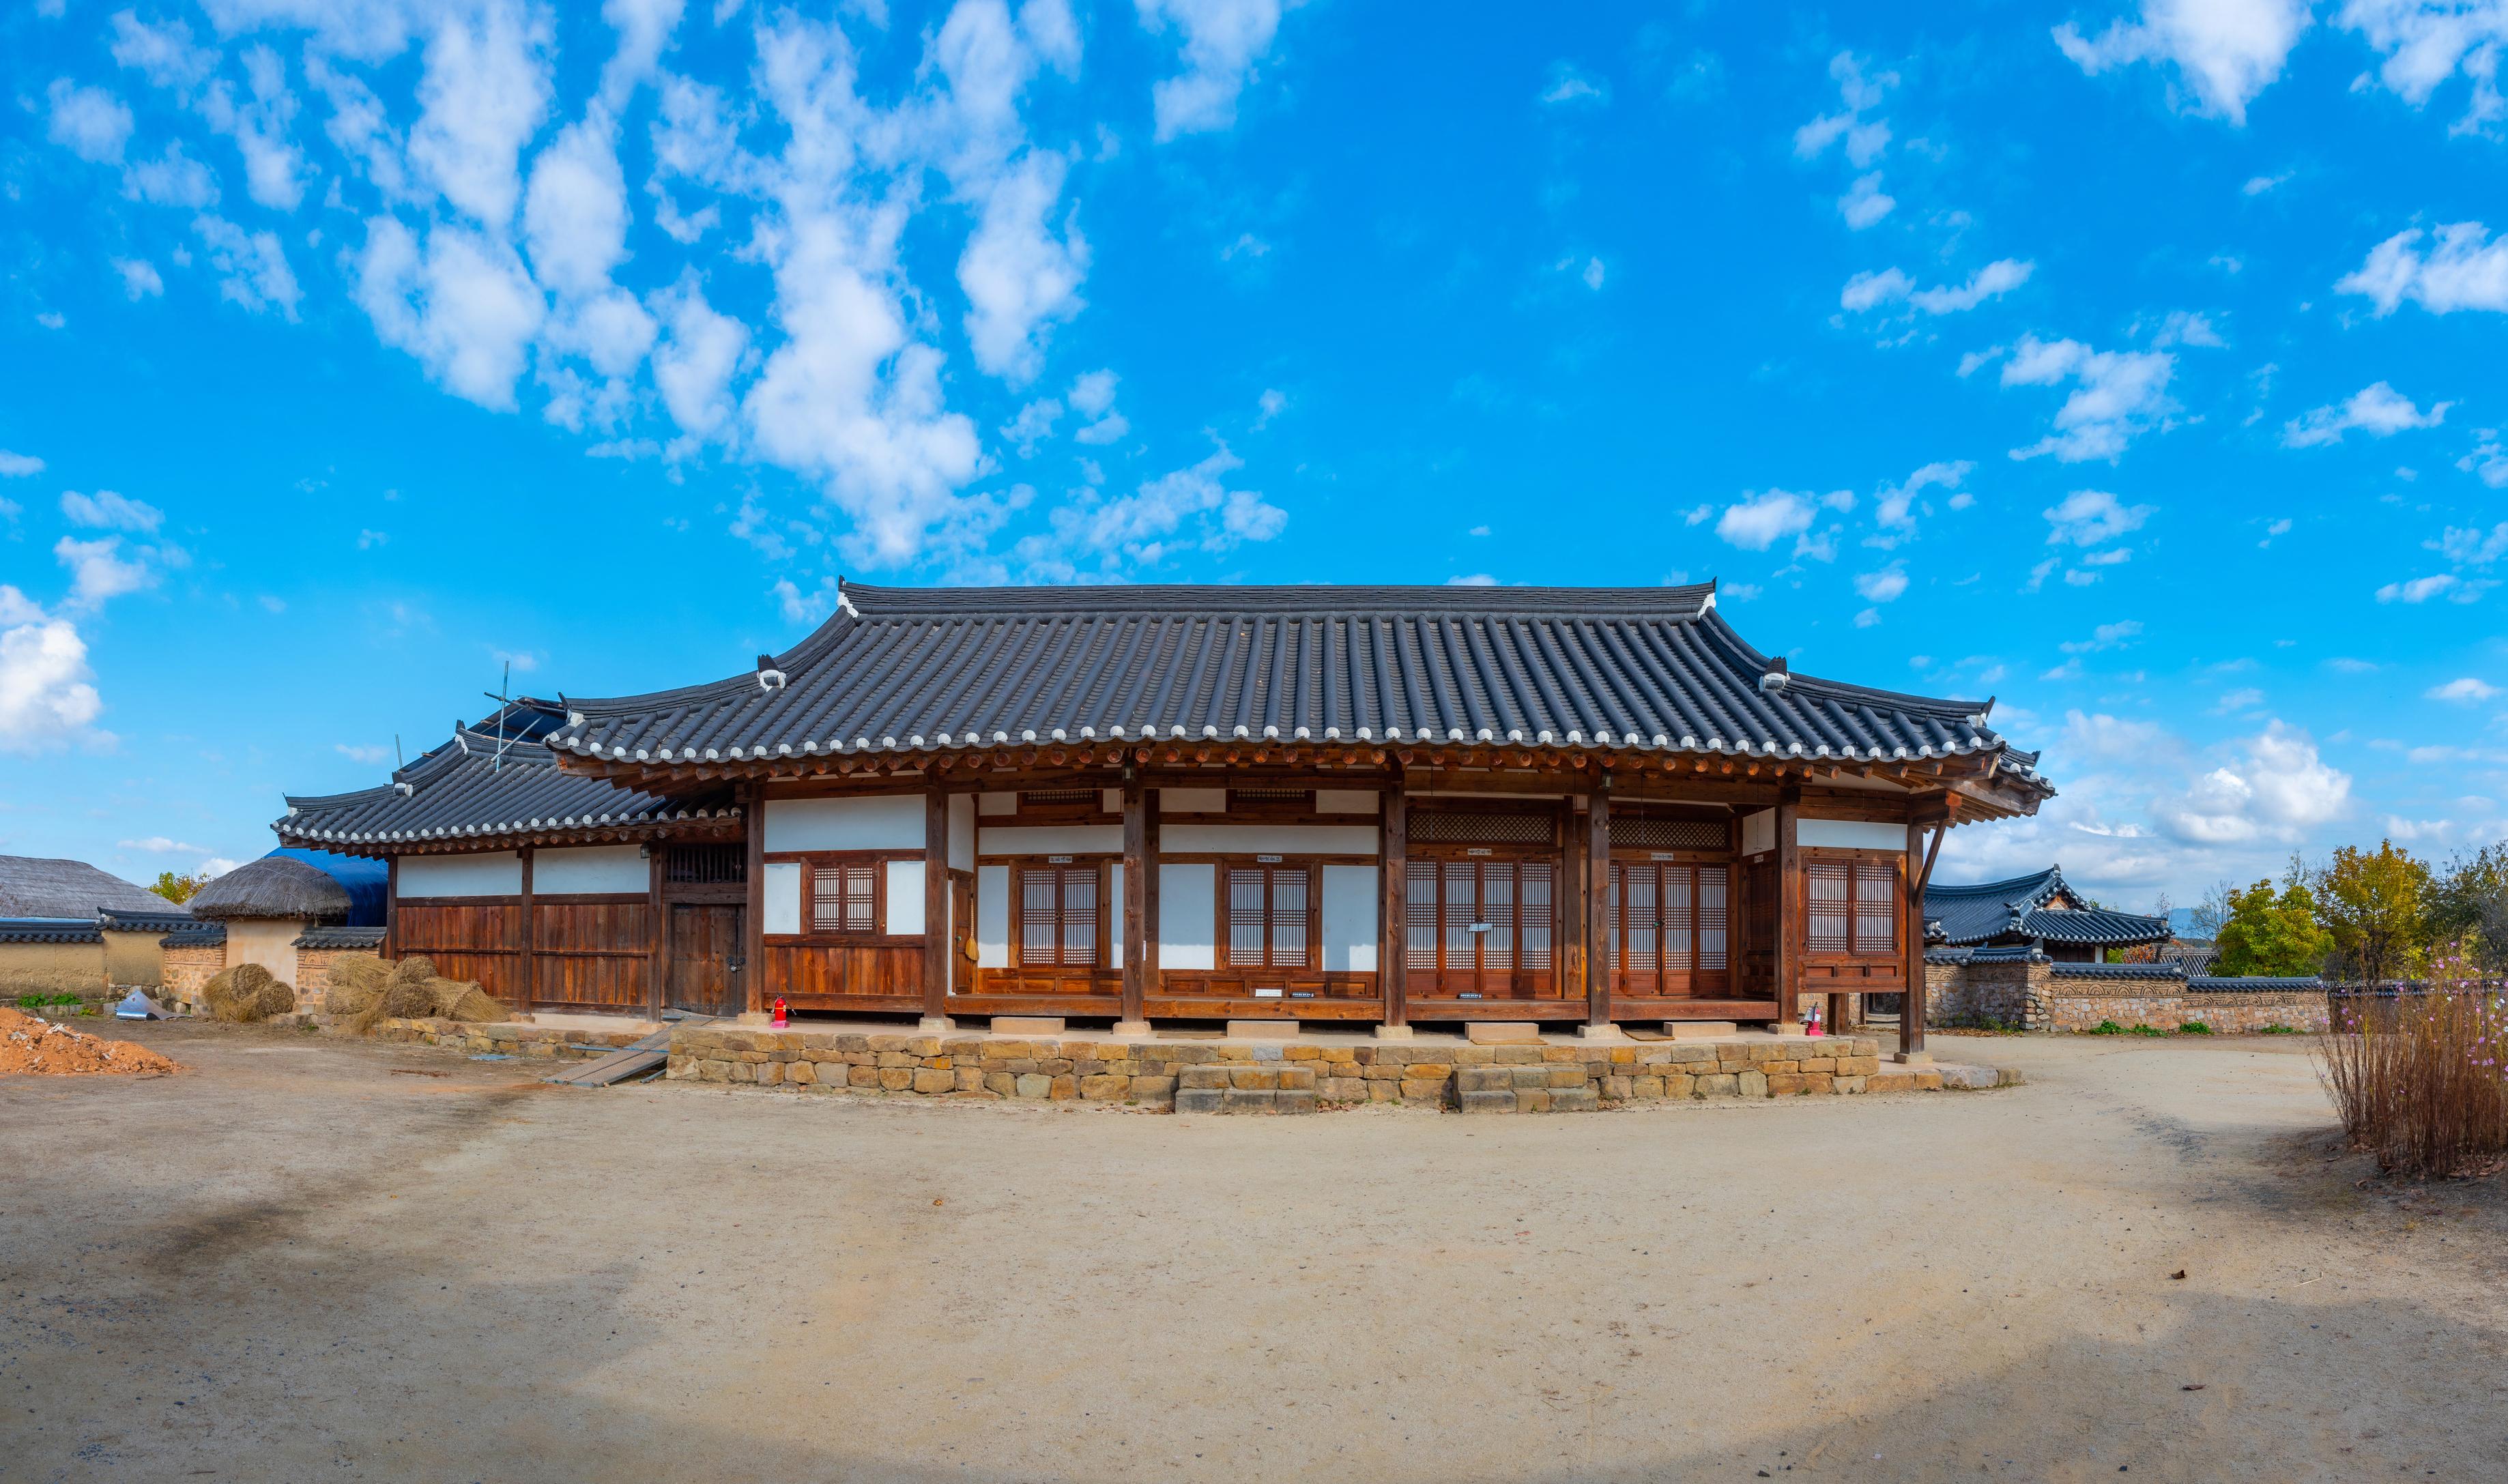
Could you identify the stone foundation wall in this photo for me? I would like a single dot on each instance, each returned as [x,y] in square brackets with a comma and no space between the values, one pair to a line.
[2082,1004]
[546,1043]
[313,971]
[2244,1012]
[186,971]
[2006,992]
[1293,1076]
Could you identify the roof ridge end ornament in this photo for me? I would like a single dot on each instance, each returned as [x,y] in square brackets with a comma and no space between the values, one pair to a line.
[845,601]
[769,678]
[1776,676]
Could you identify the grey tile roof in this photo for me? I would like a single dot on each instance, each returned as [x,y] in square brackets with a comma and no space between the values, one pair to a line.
[198,936]
[2118,971]
[471,790]
[43,887]
[1647,670]
[50,930]
[341,937]
[1988,910]
[164,916]
[2227,984]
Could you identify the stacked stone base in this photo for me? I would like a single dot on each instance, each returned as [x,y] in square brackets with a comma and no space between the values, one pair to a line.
[546,1043]
[1292,1077]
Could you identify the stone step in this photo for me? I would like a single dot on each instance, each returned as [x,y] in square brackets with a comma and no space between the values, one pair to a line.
[1261,1031]
[1262,1076]
[1246,1100]
[1501,1032]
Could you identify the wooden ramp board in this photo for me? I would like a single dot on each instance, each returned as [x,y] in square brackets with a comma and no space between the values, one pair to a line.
[634,1059]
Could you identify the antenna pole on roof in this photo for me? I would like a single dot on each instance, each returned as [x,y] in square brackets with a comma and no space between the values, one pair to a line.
[504,704]
[398,761]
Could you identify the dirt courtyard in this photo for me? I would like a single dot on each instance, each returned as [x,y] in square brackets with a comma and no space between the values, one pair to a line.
[307,1258]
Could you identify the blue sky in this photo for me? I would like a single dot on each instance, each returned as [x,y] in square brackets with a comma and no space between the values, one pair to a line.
[2137,366]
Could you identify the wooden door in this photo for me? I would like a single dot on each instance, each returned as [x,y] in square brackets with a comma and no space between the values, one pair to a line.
[1482,929]
[1669,930]
[708,973]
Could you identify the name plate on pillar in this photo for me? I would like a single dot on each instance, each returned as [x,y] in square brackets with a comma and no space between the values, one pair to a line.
[1267,860]
[1058,860]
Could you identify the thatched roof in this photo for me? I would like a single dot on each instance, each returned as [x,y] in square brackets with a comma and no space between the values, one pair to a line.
[35,887]
[274,887]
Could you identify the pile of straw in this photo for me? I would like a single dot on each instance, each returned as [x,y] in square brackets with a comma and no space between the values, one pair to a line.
[248,992]
[365,991]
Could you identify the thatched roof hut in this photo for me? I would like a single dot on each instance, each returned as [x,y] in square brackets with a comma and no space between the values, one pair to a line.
[38,887]
[308,886]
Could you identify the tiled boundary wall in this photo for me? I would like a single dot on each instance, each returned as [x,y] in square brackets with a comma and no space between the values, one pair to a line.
[1292,1077]
[2035,994]
[188,967]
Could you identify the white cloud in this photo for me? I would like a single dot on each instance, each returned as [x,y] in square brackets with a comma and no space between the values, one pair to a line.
[48,696]
[1475,580]
[1221,41]
[2378,410]
[97,570]
[465,307]
[2226,50]
[1268,406]
[113,512]
[89,122]
[574,214]
[164,53]
[258,125]
[2466,690]
[2116,395]
[2091,518]
[2471,545]
[2487,462]
[483,93]
[1865,202]
[2277,788]
[1760,521]
[1897,502]
[2426,42]
[19,465]
[1882,586]
[159,844]
[2105,636]
[695,360]
[361,753]
[1566,84]
[2183,327]
[1018,277]
[1033,425]
[1865,137]
[251,267]
[1190,508]
[2464,268]
[171,179]
[139,279]
[1870,291]
[2419,590]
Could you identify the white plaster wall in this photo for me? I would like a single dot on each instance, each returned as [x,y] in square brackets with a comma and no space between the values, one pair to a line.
[270,942]
[997,802]
[1268,839]
[962,832]
[609,868]
[904,899]
[492,873]
[886,822]
[1051,839]
[1187,904]
[1349,903]
[1192,801]
[1345,801]
[993,916]
[782,894]
[1111,800]
[1851,834]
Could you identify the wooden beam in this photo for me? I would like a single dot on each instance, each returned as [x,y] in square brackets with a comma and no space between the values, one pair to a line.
[530,939]
[1393,916]
[936,903]
[1790,904]
[392,907]
[1911,1004]
[658,955]
[1138,863]
[752,951]
[1598,888]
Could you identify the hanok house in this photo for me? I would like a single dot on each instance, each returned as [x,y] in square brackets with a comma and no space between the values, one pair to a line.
[293,910]
[1378,805]
[2038,912]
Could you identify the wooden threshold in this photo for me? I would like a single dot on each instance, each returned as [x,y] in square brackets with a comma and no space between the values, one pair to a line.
[1236,1007]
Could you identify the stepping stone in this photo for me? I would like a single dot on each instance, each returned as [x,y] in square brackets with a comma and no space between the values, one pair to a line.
[1502,1033]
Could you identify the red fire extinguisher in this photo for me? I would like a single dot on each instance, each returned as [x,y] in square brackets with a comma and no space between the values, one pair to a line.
[1810,1027]
[781,1019]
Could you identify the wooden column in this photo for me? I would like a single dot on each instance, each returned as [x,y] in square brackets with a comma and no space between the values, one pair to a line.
[1920,871]
[935,904]
[391,908]
[1392,921]
[752,930]
[531,941]
[658,955]
[1597,907]
[1790,904]
[1139,860]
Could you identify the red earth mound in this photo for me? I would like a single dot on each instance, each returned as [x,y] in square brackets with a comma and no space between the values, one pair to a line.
[28,1044]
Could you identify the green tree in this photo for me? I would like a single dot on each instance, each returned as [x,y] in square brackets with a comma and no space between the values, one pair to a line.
[2264,932]
[2376,905]
[178,888]
[2468,905]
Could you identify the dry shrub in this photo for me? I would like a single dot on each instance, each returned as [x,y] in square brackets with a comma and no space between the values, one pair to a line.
[2421,1080]
[248,992]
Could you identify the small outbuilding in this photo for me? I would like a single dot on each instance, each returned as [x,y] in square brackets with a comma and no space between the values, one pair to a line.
[274,908]
[69,928]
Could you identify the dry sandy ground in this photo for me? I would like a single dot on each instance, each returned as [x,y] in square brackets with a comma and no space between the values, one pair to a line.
[298,1262]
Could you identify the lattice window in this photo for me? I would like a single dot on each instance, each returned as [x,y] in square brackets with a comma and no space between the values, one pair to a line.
[1667,924]
[1458,828]
[1036,798]
[1058,916]
[845,898]
[1292,796]
[706,865]
[1637,833]
[1267,917]
[1852,907]
[1478,925]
